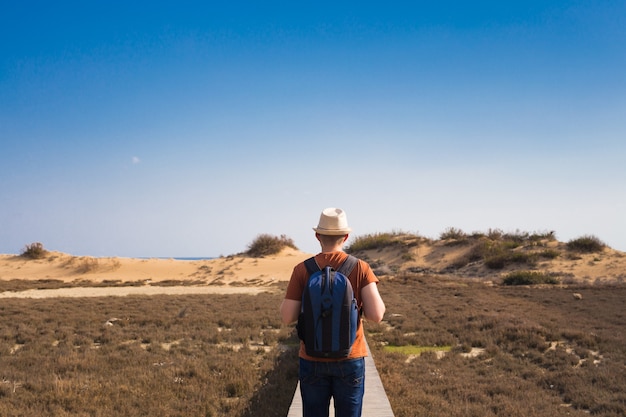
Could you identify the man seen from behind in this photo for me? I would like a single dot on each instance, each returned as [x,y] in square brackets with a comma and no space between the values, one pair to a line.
[342,379]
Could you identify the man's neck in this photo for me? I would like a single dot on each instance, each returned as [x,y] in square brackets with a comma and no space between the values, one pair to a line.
[329,249]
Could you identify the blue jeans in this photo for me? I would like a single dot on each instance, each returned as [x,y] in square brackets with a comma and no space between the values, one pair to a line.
[344,381]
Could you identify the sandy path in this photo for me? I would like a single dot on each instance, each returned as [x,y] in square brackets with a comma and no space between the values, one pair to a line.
[126,291]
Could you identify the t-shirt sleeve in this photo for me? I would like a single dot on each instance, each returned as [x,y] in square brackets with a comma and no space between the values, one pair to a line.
[295,288]
[368,276]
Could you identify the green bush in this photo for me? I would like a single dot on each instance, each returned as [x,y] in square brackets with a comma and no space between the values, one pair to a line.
[34,251]
[528,278]
[266,244]
[586,244]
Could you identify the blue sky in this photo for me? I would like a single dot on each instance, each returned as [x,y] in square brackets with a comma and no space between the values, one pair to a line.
[188,128]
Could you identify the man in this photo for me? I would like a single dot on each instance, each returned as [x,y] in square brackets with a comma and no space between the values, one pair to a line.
[341,379]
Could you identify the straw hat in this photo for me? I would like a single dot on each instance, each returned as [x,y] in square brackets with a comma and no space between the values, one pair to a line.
[333,221]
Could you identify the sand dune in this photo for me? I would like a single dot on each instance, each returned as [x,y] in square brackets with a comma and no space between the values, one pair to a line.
[240,273]
[443,258]
[229,274]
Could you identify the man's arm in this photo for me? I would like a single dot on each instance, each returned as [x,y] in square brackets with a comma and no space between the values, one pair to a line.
[373,305]
[290,310]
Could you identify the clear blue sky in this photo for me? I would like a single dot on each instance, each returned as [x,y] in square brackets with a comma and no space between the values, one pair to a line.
[188,128]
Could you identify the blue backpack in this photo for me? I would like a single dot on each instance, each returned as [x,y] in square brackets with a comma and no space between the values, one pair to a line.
[329,316]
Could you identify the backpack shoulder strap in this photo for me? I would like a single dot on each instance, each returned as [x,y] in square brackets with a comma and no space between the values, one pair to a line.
[348,265]
[311,266]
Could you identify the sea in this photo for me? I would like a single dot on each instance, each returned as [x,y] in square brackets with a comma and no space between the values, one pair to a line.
[201,258]
[178,258]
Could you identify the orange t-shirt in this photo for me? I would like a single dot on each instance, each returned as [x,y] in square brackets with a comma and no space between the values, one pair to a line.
[360,276]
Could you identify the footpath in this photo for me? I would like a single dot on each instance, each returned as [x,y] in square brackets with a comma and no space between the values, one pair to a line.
[375,401]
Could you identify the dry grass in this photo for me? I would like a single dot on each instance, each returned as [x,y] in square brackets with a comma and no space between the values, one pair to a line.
[34,251]
[266,244]
[139,356]
[586,244]
[541,352]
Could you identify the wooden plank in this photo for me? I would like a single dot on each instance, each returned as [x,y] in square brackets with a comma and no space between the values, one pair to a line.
[375,401]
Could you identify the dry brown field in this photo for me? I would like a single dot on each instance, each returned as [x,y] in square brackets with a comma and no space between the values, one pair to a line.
[454,341]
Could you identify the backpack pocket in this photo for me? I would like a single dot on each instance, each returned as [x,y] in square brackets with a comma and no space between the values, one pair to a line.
[300,327]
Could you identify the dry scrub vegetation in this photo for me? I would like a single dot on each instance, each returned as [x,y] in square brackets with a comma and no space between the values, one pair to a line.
[513,351]
[139,356]
[518,258]
[34,250]
[448,346]
[535,352]
[266,244]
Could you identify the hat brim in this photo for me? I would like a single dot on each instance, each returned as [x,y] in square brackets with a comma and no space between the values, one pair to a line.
[332,232]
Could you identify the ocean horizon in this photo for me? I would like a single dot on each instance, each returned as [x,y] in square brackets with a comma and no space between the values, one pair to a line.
[181,258]
[194,258]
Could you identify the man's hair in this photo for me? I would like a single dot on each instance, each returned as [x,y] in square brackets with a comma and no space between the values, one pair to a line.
[328,240]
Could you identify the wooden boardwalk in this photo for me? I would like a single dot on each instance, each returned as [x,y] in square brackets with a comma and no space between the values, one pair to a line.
[375,401]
